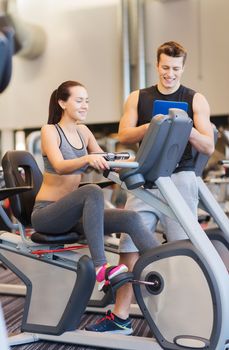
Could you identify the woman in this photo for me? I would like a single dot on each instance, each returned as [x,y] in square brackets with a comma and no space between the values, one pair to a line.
[60,205]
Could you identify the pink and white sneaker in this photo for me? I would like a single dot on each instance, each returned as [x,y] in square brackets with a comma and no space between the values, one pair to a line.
[107,272]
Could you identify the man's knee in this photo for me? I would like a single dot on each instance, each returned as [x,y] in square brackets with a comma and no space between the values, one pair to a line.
[126,245]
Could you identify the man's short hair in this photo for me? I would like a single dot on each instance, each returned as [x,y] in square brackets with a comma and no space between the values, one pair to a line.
[172,49]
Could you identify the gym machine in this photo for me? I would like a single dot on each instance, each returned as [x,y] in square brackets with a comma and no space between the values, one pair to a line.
[181,287]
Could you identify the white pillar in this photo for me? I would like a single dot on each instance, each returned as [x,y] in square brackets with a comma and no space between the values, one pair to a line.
[7,141]
[20,140]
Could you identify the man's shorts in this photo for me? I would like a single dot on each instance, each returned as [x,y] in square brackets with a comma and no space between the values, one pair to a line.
[186,183]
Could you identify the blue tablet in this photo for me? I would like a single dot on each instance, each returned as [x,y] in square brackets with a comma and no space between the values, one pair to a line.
[162,107]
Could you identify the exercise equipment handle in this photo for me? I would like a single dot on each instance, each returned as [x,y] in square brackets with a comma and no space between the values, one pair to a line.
[129,165]
[111,156]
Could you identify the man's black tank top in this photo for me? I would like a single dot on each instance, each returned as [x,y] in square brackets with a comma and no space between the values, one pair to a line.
[147,97]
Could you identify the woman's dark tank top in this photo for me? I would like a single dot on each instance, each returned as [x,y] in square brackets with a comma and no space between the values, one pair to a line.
[147,97]
[68,152]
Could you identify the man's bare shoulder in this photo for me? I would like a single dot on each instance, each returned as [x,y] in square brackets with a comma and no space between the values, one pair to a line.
[134,94]
[199,102]
[132,99]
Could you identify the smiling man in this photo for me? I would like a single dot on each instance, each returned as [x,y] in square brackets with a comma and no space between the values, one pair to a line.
[134,123]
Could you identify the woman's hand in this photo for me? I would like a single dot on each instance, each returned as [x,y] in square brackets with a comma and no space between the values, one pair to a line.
[97,162]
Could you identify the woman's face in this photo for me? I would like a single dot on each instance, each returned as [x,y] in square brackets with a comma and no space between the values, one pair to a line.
[76,106]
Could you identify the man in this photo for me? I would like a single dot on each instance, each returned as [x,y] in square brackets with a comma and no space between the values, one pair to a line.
[134,123]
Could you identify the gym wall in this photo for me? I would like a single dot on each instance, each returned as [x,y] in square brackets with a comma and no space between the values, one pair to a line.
[202,27]
[83,42]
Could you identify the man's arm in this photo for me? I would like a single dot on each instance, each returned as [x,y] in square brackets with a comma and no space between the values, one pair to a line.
[129,132]
[202,136]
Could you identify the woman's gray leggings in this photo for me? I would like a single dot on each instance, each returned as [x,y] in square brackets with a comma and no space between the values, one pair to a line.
[83,209]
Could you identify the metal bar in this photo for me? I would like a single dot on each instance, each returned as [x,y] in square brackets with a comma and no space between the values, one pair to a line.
[81,337]
[213,208]
[7,221]
[145,195]
[12,289]
[114,341]
[116,164]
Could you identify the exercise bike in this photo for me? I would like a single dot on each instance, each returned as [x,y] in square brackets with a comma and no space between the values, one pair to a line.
[181,287]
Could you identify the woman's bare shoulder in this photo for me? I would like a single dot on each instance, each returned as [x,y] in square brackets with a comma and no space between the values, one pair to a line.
[83,129]
[48,128]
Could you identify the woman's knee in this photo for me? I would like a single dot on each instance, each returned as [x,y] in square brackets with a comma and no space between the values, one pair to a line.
[131,221]
[134,217]
[94,192]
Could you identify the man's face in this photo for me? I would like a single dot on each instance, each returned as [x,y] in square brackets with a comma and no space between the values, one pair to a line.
[170,70]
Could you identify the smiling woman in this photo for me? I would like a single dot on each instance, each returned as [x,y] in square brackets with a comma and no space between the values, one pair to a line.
[68,147]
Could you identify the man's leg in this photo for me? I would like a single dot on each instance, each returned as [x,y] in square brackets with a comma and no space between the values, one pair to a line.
[118,321]
[124,294]
[129,253]
[186,184]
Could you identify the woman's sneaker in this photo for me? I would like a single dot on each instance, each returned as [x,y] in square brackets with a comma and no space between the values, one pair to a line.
[111,324]
[106,272]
